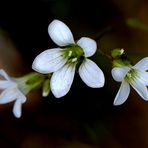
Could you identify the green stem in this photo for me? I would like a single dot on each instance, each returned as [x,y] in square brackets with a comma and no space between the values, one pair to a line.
[104,54]
[103,32]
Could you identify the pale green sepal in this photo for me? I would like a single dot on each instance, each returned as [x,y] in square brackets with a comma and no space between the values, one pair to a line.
[46,88]
[30,82]
[121,63]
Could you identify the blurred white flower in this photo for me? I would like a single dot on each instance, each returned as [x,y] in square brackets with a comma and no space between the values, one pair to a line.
[12,90]
[136,76]
[62,61]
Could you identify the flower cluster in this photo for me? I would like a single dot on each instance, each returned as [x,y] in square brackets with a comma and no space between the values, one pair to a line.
[55,69]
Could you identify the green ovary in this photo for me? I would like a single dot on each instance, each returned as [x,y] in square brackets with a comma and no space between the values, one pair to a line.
[131,75]
[73,53]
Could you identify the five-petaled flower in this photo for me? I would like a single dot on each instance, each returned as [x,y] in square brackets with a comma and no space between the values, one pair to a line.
[13,90]
[62,61]
[136,76]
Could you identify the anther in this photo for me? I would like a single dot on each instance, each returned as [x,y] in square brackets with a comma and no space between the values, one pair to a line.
[74,59]
[70,53]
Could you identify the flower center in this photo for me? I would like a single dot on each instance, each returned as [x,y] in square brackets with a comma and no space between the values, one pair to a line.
[131,75]
[73,53]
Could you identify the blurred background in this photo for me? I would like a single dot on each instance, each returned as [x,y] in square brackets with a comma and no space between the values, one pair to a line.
[85,117]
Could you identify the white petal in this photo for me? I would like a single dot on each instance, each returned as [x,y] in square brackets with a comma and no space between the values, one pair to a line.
[5,84]
[60,33]
[142,64]
[140,88]
[17,108]
[61,80]
[122,94]
[88,45]
[21,96]
[8,95]
[4,74]
[49,61]
[143,77]
[118,73]
[91,74]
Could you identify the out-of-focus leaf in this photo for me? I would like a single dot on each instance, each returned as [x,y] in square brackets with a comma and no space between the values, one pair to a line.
[135,23]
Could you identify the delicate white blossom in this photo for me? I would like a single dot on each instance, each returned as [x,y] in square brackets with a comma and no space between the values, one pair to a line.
[12,90]
[62,61]
[136,76]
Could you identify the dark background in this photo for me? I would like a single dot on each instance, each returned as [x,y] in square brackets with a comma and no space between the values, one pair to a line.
[85,117]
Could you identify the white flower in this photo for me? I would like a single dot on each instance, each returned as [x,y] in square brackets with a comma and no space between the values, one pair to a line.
[136,76]
[12,91]
[62,61]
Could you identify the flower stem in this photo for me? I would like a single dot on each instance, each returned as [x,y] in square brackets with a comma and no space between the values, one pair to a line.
[103,32]
[104,54]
